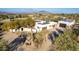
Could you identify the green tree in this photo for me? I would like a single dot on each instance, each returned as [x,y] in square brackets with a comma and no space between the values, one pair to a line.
[66,41]
[30,22]
[13,25]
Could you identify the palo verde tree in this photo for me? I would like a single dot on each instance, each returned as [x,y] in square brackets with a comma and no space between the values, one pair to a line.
[6,26]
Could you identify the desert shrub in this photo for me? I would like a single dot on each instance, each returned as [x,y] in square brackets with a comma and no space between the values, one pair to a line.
[66,41]
[39,37]
[3,45]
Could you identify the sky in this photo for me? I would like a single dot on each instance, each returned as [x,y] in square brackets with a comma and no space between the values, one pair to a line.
[29,10]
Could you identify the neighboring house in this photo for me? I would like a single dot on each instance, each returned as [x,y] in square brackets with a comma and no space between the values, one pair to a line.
[66,22]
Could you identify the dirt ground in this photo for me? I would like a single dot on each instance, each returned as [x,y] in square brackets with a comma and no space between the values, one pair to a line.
[46,45]
[8,36]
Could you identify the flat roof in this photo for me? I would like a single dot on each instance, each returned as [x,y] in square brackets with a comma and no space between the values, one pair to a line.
[67,20]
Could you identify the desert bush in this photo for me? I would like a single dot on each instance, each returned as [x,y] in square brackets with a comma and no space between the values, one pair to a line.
[66,41]
[39,37]
[3,45]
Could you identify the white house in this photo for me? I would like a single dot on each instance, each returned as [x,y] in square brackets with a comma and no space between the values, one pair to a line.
[66,22]
[40,25]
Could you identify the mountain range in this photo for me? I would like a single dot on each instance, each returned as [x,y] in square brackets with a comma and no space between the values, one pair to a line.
[32,12]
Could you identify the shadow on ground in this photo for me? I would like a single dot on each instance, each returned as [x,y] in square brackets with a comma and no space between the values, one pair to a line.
[1,34]
[17,42]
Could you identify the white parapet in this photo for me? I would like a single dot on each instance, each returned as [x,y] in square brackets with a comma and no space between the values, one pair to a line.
[12,30]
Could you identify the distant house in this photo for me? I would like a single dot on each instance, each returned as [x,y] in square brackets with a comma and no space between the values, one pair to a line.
[66,22]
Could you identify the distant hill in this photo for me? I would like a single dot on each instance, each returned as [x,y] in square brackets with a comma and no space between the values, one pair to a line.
[6,12]
[2,12]
[43,12]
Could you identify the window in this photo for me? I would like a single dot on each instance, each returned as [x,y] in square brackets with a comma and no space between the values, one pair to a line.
[22,29]
[62,25]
